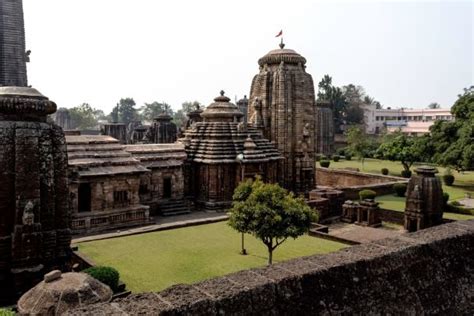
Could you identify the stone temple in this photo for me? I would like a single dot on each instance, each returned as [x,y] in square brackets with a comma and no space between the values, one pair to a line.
[282,104]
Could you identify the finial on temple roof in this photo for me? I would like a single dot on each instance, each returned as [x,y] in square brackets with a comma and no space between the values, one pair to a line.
[222,92]
[282,45]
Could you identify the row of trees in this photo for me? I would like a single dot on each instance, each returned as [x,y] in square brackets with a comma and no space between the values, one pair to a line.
[347,101]
[85,116]
[449,143]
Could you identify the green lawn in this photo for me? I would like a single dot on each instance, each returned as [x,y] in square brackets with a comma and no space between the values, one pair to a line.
[463,184]
[397,203]
[154,261]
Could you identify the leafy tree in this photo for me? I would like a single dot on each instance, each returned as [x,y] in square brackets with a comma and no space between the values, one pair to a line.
[452,141]
[84,116]
[270,213]
[353,94]
[400,147]
[359,143]
[114,115]
[179,117]
[327,92]
[151,110]
[434,105]
[126,111]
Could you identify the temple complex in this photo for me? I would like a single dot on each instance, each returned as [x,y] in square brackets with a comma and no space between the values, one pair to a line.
[324,128]
[282,105]
[104,184]
[162,130]
[13,55]
[424,203]
[221,151]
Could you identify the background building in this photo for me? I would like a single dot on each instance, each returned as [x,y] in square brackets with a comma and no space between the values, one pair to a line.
[409,121]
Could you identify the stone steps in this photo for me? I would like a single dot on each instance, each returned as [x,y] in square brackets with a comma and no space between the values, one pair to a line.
[177,207]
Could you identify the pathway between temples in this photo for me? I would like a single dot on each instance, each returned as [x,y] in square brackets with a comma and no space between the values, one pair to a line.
[162,223]
[362,234]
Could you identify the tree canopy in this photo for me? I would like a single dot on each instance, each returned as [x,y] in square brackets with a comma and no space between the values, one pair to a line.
[151,110]
[400,147]
[452,142]
[84,116]
[270,213]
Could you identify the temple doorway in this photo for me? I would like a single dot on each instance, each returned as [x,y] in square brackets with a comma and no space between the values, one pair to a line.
[84,197]
[167,188]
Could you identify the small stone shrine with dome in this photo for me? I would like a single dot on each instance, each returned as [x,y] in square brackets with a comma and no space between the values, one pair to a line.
[221,151]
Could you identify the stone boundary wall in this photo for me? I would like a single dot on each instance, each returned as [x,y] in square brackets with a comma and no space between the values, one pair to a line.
[426,272]
[352,182]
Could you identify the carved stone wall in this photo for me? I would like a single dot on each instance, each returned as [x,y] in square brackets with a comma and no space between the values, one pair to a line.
[324,128]
[13,55]
[34,212]
[282,105]
[424,273]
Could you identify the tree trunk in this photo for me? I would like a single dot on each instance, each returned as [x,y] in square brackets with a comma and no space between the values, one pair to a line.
[244,251]
[270,256]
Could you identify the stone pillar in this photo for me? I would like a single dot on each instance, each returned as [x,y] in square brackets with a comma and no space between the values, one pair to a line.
[367,214]
[115,130]
[349,211]
[162,131]
[424,203]
[13,56]
[34,212]
[324,128]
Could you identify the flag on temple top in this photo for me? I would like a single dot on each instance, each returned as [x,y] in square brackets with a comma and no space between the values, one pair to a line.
[279,33]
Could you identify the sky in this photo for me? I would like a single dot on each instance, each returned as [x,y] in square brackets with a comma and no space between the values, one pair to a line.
[404,53]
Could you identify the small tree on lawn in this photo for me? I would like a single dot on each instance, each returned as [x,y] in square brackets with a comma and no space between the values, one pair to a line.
[400,147]
[359,144]
[270,213]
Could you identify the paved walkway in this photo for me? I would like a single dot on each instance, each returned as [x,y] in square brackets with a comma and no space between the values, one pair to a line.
[161,223]
[361,234]
[467,202]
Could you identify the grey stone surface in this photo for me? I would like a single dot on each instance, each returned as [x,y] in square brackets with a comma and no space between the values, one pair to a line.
[427,272]
[13,54]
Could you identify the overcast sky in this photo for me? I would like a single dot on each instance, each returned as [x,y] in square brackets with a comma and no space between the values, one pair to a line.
[405,54]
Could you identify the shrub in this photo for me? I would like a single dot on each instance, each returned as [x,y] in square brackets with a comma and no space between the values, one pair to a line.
[335,158]
[445,197]
[448,179]
[318,157]
[400,189]
[324,163]
[348,156]
[341,151]
[6,312]
[406,173]
[384,171]
[367,194]
[107,275]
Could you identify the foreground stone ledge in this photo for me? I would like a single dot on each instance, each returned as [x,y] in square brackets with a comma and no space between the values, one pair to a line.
[427,272]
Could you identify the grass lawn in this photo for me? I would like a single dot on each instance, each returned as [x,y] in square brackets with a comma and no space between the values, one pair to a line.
[397,203]
[155,261]
[463,184]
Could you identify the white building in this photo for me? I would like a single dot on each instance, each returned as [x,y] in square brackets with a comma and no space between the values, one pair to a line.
[410,121]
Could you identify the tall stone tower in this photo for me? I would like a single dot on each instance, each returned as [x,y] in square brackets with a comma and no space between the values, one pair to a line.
[324,128]
[282,105]
[13,56]
[35,231]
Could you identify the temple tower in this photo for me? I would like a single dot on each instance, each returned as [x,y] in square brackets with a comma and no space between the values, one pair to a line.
[13,56]
[324,128]
[282,105]
[424,203]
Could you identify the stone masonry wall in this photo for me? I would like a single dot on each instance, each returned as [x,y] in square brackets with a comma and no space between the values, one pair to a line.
[347,178]
[427,272]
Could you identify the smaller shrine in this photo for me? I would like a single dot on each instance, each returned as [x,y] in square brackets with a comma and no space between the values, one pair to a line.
[222,151]
[162,131]
[115,130]
[364,213]
[424,203]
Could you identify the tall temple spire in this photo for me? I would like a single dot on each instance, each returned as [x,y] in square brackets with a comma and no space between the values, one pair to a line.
[13,56]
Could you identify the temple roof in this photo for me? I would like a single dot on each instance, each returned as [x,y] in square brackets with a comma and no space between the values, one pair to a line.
[158,155]
[100,155]
[222,110]
[276,56]
[221,138]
